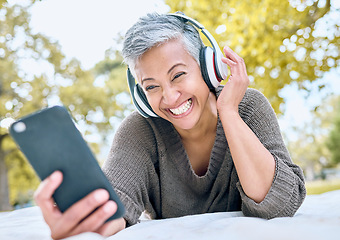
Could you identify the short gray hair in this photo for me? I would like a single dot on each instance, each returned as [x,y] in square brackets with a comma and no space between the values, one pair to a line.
[155,29]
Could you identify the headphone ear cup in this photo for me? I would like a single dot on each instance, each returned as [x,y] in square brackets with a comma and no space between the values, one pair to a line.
[207,62]
[138,97]
[143,102]
[221,68]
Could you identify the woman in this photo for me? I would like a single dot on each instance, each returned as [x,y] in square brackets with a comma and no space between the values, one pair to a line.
[207,149]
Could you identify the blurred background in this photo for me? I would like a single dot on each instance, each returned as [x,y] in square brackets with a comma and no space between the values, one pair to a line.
[68,52]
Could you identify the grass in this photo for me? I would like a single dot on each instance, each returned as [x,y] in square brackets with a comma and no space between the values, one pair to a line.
[321,186]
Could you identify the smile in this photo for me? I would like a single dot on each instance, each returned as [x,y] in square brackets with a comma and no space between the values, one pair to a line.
[183,108]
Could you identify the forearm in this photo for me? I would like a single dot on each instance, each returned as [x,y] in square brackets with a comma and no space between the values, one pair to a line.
[254,164]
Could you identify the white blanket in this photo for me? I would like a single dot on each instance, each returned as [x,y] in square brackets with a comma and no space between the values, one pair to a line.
[318,218]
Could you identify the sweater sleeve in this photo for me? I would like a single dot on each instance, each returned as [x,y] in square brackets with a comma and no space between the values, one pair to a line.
[287,191]
[129,166]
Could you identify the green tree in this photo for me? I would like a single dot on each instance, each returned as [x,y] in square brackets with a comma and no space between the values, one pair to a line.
[309,149]
[34,74]
[15,97]
[280,41]
[333,141]
[2,2]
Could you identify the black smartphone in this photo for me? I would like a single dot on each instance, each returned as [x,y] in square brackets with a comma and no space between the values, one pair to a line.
[50,141]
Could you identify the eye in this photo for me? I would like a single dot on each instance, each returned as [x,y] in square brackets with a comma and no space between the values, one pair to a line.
[149,88]
[179,75]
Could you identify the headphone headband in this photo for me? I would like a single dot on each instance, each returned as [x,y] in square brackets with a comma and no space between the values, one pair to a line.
[221,71]
[186,19]
[199,26]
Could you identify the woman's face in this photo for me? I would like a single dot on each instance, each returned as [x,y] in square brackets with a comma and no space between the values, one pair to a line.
[173,84]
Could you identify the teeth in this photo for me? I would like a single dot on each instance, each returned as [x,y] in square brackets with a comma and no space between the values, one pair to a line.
[182,109]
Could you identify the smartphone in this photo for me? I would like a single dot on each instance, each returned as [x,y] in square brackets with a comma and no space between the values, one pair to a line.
[50,141]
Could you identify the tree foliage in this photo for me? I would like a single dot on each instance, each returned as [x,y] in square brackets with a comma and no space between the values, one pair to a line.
[280,41]
[310,148]
[15,92]
[333,141]
[34,74]
[2,2]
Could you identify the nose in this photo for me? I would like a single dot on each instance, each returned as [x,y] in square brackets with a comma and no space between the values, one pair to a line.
[170,95]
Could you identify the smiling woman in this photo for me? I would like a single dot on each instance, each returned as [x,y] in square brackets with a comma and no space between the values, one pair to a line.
[207,148]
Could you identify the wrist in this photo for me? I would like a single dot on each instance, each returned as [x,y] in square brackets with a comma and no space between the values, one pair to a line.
[228,112]
[230,119]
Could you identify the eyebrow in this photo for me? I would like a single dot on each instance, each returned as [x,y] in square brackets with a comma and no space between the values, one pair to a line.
[147,79]
[172,68]
[176,65]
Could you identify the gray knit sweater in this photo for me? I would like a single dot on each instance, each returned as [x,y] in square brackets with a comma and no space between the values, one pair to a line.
[150,170]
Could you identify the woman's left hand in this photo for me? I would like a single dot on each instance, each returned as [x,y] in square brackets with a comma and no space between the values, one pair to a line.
[237,84]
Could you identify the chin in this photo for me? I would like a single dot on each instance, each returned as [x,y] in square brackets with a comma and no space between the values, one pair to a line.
[186,123]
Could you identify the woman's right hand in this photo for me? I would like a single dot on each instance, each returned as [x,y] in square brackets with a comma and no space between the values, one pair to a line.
[83,216]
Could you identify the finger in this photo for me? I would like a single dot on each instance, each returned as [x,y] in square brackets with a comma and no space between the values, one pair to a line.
[235,62]
[232,65]
[112,227]
[43,195]
[231,55]
[231,60]
[97,218]
[81,209]
[228,61]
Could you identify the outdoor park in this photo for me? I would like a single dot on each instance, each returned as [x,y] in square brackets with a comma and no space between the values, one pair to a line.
[291,49]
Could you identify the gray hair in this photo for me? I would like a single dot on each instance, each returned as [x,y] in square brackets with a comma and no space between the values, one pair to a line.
[154,30]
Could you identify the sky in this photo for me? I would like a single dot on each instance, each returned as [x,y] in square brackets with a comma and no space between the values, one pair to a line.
[85,29]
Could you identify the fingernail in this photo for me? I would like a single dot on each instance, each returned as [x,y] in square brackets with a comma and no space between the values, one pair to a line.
[101,195]
[54,176]
[109,206]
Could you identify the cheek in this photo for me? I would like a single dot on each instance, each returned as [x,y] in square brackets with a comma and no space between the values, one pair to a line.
[154,101]
[201,90]
[198,85]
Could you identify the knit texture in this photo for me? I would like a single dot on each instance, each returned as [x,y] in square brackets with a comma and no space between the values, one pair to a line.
[150,170]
